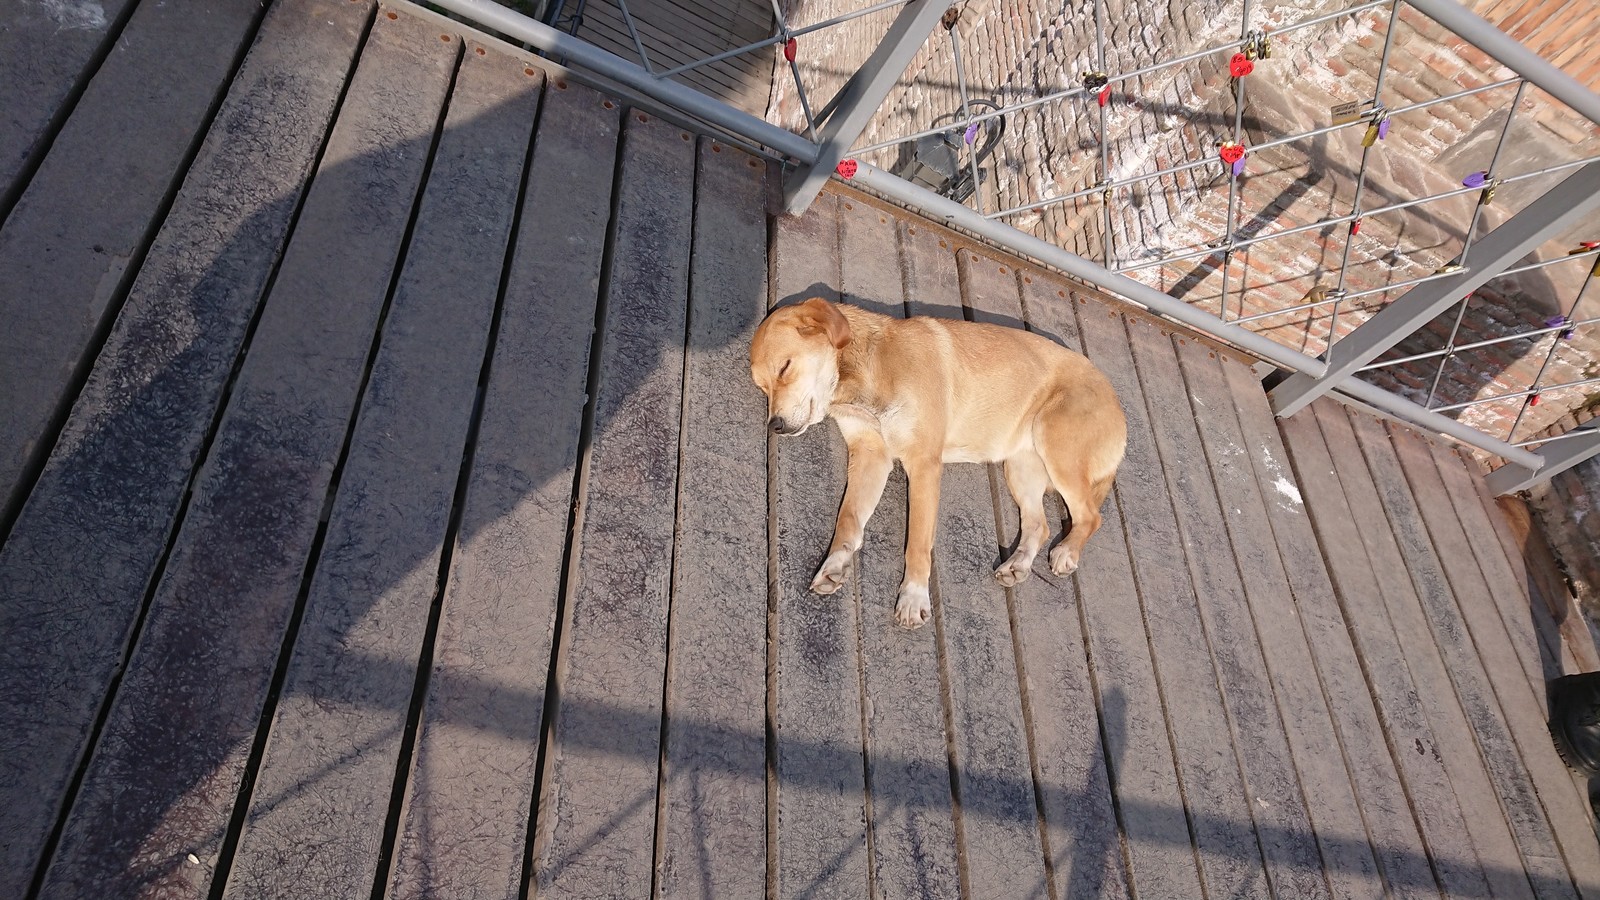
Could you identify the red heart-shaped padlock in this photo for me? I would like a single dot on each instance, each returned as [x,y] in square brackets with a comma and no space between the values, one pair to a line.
[846,168]
[789,48]
[1240,65]
[1231,153]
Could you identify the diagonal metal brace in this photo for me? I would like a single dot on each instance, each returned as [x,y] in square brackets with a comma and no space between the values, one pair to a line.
[1558,457]
[860,98]
[1568,202]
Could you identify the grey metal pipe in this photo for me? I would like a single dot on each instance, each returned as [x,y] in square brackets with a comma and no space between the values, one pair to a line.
[940,208]
[1428,420]
[1491,40]
[670,93]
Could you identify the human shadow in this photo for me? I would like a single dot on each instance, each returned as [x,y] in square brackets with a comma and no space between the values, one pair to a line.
[163,578]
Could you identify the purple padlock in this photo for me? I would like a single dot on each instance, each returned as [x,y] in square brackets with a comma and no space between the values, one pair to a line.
[1238,167]
[1383,129]
[1476,179]
[972,132]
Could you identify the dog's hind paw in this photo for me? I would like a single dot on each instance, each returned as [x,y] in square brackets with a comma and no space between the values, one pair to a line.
[832,574]
[913,608]
[1013,571]
[1063,561]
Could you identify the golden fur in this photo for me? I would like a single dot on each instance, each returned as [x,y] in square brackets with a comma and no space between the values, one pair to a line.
[929,391]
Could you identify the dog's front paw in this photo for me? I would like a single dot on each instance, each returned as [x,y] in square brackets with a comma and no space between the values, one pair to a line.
[913,608]
[832,574]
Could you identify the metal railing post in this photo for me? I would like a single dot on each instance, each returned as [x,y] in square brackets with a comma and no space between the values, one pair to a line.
[860,98]
[1566,203]
[1513,477]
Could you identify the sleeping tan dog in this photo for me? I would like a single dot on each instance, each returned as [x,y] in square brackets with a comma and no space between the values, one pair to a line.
[929,391]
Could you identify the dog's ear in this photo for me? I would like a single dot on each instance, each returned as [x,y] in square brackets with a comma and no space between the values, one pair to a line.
[819,316]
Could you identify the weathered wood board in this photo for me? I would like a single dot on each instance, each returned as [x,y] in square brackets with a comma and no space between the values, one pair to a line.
[1215,796]
[1133,736]
[320,803]
[603,753]
[712,813]
[73,243]
[470,788]
[912,824]
[114,485]
[818,810]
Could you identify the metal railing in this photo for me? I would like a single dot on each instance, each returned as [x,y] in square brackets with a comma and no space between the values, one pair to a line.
[833,129]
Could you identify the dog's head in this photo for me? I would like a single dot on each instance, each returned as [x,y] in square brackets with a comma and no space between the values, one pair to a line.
[794,359]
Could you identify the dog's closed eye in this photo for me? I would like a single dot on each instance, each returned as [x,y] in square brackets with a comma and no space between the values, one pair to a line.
[785,367]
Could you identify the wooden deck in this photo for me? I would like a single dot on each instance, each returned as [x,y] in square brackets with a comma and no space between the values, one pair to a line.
[391,515]
[679,32]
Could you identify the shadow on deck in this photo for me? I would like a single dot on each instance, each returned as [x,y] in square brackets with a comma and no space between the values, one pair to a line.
[391,515]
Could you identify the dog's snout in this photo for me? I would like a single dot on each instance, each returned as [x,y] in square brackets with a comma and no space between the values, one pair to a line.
[778,426]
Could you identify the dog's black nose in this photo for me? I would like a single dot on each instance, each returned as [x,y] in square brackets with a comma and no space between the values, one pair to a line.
[779,426]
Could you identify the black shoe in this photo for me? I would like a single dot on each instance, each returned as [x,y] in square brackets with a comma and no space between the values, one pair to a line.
[1575,720]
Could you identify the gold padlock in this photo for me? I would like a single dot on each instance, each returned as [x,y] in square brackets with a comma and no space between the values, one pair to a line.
[1266,46]
[1487,195]
[1595,272]
[1371,137]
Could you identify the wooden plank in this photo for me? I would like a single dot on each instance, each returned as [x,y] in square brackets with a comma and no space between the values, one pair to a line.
[912,823]
[598,806]
[1276,801]
[469,792]
[88,214]
[1083,850]
[1475,710]
[1001,845]
[713,800]
[320,804]
[1536,584]
[47,52]
[1133,736]
[697,28]
[1401,849]
[820,833]
[115,483]
[1485,820]
[1489,678]
[1413,748]
[1220,822]
[733,23]
[140,428]
[1512,523]
[1335,815]
[1508,589]
[1560,622]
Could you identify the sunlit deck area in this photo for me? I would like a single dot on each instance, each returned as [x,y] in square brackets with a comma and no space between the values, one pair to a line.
[390,513]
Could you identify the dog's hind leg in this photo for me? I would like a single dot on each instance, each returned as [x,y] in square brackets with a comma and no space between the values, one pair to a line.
[1068,451]
[1026,475]
[870,465]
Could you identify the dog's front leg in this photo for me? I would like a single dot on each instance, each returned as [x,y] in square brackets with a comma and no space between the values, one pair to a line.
[869,472]
[922,475]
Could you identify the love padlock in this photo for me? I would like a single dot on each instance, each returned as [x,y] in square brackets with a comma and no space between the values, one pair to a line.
[846,168]
[1231,153]
[1240,65]
[1105,94]
[789,49]
[1371,137]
